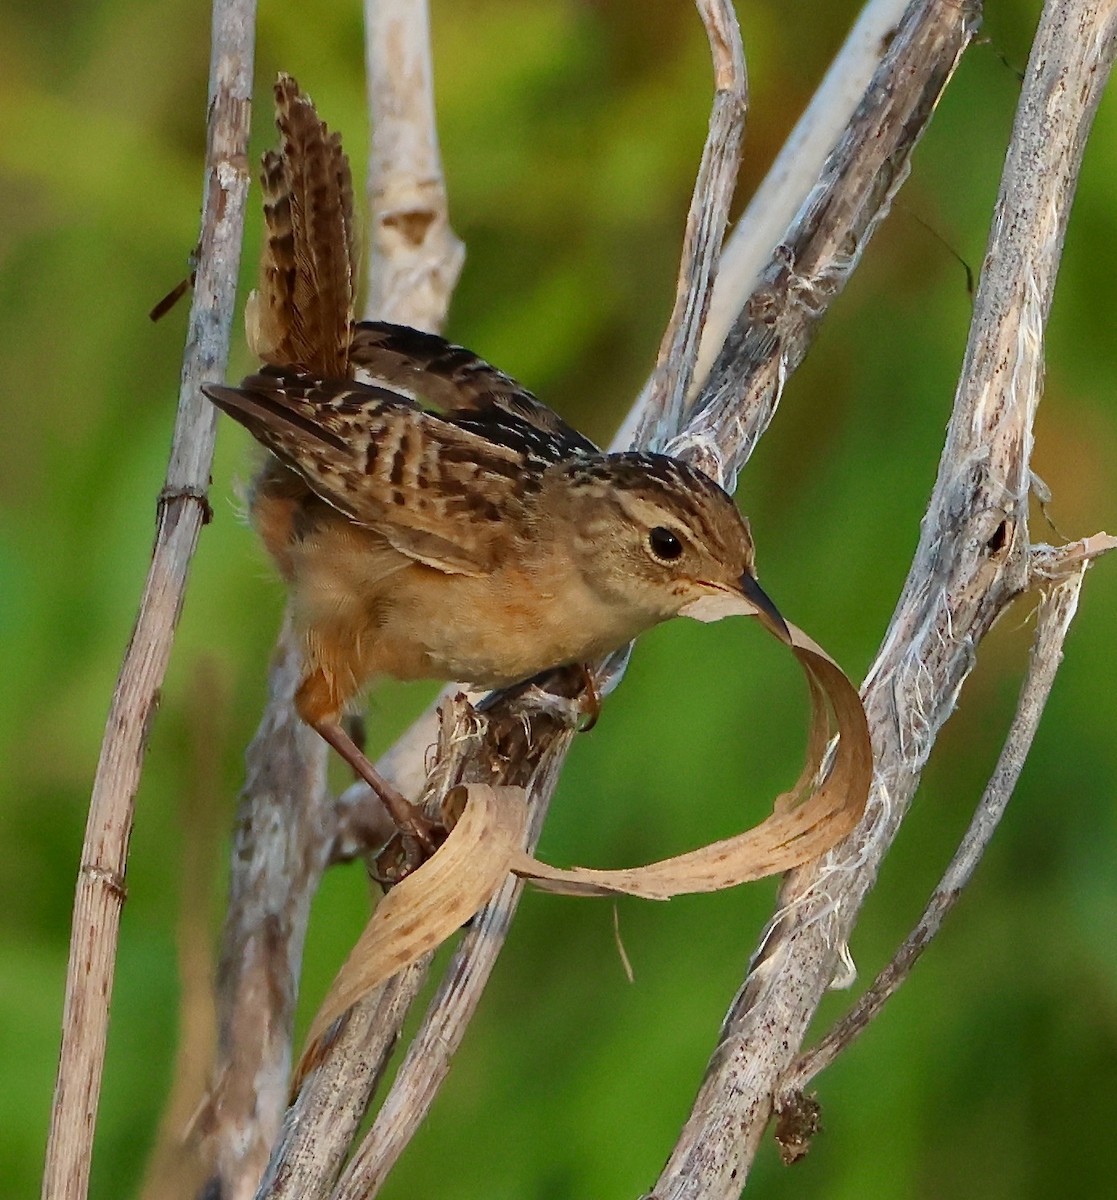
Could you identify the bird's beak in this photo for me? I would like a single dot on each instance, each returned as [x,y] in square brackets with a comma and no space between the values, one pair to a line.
[749,601]
[768,613]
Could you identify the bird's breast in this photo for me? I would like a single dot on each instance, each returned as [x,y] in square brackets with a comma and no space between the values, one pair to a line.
[498,629]
[365,610]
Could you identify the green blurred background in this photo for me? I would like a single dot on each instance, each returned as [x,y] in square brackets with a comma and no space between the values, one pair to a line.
[570,133]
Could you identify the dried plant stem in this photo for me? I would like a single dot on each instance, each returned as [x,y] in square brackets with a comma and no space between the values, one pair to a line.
[818,253]
[323,1118]
[774,206]
[415,257]
[428,1058]
[973,558]
[662,402]
[281,845]
[797,167]
[182,511]
[1056,610]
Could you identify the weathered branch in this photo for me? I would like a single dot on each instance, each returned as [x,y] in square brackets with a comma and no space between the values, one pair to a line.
[663,399]
[428,1058]
[819,252]
[281,844]
[797,167]
[182,510]
[414,256]
[1057,607]
[973,558]
[324,1117]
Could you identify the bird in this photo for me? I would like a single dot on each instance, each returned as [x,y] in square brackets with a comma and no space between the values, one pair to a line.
[431,517]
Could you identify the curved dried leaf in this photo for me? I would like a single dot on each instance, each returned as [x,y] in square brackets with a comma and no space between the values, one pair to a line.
[486,843]
[804,824]
[426,907]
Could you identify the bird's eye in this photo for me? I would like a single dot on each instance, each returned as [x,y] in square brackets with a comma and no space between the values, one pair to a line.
[664,544]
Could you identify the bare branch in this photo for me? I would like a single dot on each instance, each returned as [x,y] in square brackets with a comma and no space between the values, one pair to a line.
[182,511]
[333,1098]
[322,1121]
[796,169]
[819,252]
[973,558]
[288,829]
[428,1058]
[415,257]
[281,843]
[662,402]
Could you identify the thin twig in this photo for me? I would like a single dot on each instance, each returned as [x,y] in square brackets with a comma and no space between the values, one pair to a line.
[182,511]
[798,166]
[663,400]
[973,558]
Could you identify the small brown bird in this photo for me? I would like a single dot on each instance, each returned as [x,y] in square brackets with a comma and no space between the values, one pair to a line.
[434,519]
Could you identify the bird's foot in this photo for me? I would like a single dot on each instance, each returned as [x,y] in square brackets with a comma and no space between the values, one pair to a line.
[403,854]
[590,699]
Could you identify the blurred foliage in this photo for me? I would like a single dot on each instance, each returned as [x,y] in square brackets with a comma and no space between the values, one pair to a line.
[570,132]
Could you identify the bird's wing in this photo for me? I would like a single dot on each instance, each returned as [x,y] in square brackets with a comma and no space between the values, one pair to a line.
[439,491]
[472,393]
[302,311]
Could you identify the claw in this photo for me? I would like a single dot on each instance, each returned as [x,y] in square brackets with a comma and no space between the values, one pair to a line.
[590,699]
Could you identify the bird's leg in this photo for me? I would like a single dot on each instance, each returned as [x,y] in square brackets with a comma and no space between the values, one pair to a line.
[354,725]
[320,700]
[591,698]
[409,819]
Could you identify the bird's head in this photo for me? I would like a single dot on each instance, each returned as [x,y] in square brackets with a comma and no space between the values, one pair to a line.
[659,538]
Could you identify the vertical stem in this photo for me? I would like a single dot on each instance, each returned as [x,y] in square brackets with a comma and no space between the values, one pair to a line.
[414,256]
[182,510]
